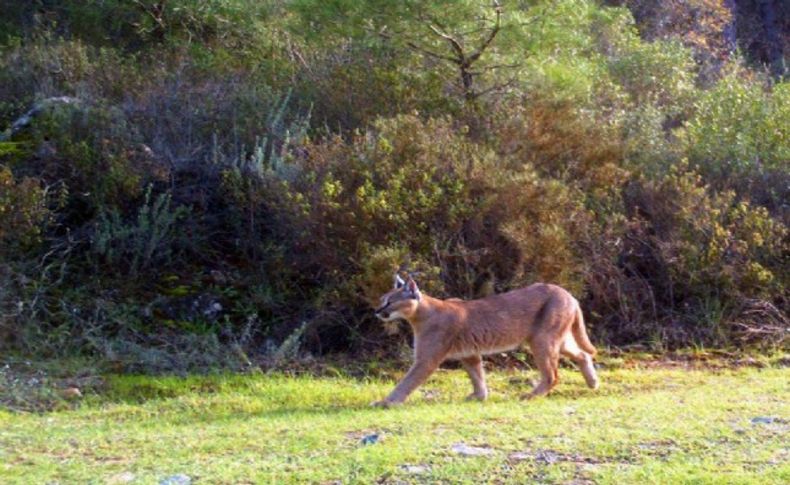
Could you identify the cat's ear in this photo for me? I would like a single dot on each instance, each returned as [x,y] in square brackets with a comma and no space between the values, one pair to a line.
[397,282]
[412,288]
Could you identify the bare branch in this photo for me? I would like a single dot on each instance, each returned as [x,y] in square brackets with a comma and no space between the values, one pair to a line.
[430,53]
[457,47]
[155,11]
[388,36]
[431,19]
[483,69]
[496,87]
[474,31]
[491,35]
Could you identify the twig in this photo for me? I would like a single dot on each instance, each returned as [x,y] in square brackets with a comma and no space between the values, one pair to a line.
[491,35]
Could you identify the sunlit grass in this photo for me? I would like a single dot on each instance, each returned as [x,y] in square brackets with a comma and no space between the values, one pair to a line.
[658,425]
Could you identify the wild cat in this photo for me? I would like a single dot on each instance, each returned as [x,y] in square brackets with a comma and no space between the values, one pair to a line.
[546,317]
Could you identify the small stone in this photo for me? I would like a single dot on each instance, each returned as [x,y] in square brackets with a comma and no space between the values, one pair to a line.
[179,479]
[466,450]
[218,277]
[125,477]
[521,381]
[415,469]
[520,456]
[547,456]
[212,309]
[369,439]
[430,394]
[764,420]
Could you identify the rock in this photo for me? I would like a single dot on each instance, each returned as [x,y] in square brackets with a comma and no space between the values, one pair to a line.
[212,310]
[369,439]
[125,477]
[466,450]
[430,394]
[415,469]
[179,479]
[218,277]
[547,456]
[767,420]
[521,381]
[520,456]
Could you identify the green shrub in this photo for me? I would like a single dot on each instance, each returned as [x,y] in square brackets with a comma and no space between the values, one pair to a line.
[232,24]
[400,184]
[721,245]
[420,195]
[147,243]
[660,73]
[350,86]
[739,139]
[690,260]
[91,154]
[24,213]
[49,66]
[740,128]
[562,141]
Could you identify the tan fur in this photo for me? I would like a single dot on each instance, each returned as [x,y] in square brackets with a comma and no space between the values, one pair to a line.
[545,316]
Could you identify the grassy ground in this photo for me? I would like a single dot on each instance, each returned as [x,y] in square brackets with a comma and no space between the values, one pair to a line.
[646,424]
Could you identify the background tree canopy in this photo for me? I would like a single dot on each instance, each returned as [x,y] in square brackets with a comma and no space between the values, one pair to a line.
[188,183]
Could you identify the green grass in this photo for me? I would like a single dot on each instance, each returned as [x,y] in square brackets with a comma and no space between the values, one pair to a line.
[659,425]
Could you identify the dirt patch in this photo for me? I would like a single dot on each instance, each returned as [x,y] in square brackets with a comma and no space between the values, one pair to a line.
[550,457]
[659,448]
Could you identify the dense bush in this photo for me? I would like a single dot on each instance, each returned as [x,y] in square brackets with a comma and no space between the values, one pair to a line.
[424,187]
[690,257]
[23,213]
[738,137]
[144,23]
[739,128]
[188,182]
